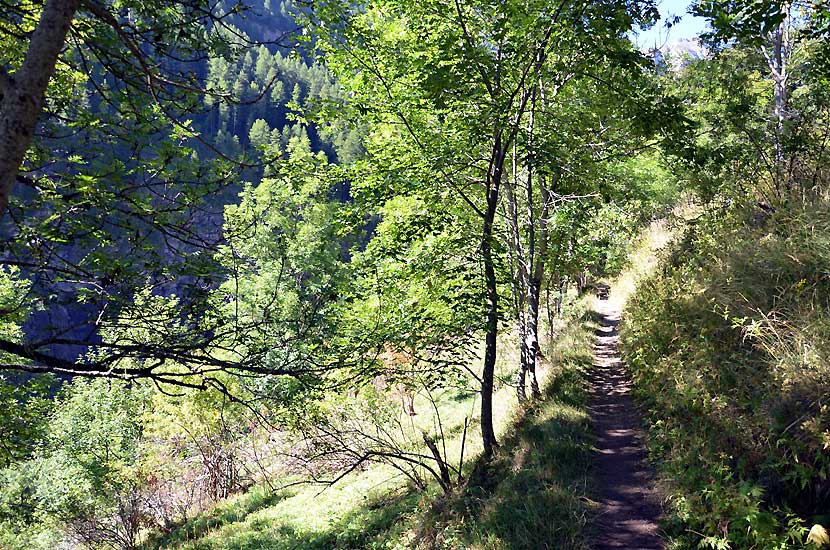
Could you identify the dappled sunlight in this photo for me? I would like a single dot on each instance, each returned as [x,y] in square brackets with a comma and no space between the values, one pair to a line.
[295,274]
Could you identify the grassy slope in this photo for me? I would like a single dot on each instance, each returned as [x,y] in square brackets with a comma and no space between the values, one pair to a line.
[728,345]
[531,496]
[644,256]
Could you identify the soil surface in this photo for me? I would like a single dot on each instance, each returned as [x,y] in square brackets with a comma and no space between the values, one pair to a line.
[629,502]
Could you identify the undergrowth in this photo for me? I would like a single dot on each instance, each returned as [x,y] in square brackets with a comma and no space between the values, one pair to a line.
[531,495]
[728,344]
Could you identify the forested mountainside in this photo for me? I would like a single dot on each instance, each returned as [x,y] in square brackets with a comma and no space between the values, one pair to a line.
[321,274]
[247,114]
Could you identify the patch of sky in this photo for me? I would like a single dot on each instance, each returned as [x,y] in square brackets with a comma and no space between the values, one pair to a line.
[661,35]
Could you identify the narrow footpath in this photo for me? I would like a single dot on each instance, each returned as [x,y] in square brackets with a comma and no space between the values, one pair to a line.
[629,504]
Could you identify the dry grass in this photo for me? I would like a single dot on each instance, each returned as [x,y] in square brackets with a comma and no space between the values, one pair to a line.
[645,254]
[727,342]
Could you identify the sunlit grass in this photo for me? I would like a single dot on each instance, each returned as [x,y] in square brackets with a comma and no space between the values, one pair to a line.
[645,253]
[726,343]
[542,468]
[533,494]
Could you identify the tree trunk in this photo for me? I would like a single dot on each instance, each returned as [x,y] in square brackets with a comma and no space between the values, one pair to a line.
[532,319]
[777,61]
[535,263]
[488,434]
[519,261]
[445,481]
[23,94]
[581,282]
[534,290]
[549,309]
[532,338]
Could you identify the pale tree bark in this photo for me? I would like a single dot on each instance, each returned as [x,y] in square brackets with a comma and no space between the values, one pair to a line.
[518,267]
[777,57]
[554,307]
[534,288]
[536,258]
[529,258]
[23,93]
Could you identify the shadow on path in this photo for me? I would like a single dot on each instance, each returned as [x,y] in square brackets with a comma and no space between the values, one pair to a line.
[629,504]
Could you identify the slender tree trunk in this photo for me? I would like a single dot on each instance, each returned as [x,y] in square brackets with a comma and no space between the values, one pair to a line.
[23,94]
[519,271]
[532,338]
[488,433]
[534,290]
[534,262]
[548,308]
[777,60]
[779,77]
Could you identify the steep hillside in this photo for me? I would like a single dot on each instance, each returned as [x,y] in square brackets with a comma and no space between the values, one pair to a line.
[728,343]
[532,494]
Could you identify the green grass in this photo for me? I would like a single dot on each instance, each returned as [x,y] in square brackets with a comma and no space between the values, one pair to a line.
[532,494]
[225,513]
[728,347]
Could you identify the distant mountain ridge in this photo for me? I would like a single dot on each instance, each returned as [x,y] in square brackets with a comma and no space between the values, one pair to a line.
[679,53]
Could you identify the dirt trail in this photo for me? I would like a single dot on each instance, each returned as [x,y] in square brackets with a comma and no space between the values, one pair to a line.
[629,504]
